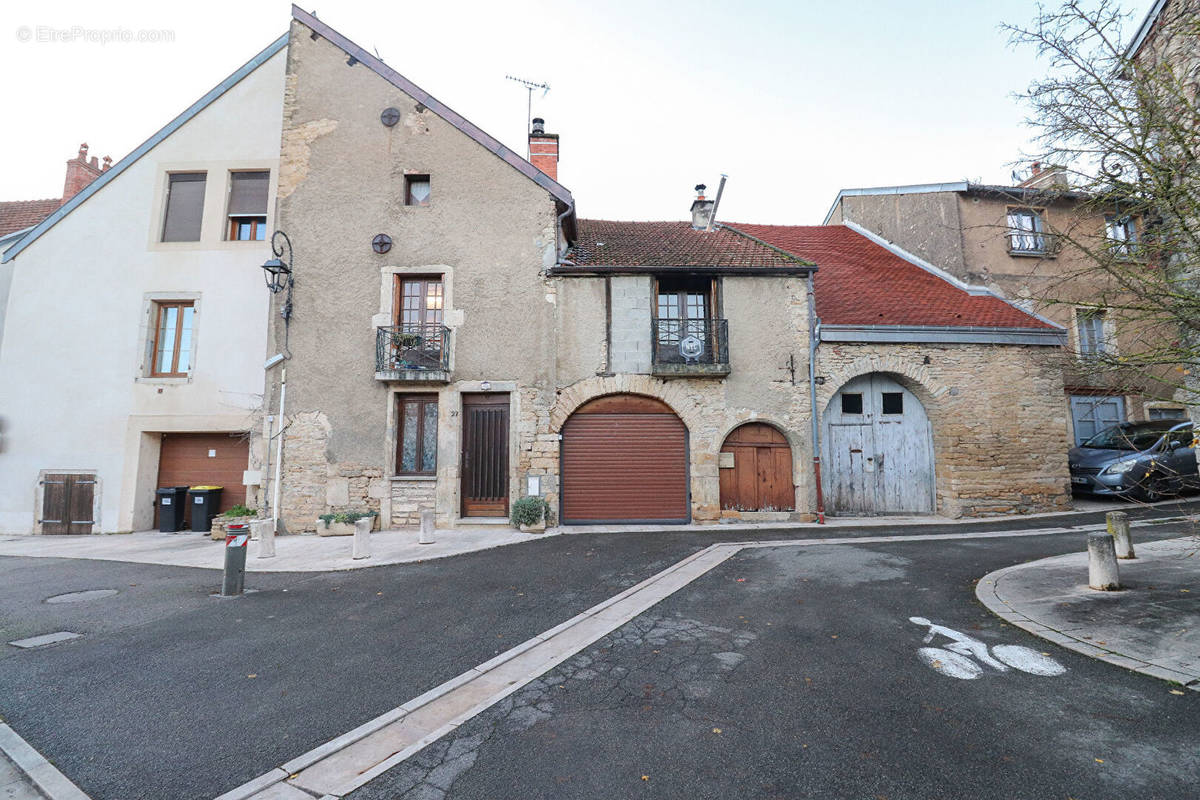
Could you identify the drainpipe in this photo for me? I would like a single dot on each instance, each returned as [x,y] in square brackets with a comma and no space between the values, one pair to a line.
[813,339]
[558,223]
[279,451]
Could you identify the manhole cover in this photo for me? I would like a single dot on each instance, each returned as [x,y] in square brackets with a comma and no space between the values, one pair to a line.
[81,597]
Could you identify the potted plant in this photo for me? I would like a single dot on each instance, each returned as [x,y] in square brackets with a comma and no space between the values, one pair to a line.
[239,514]
[530,514]
[342,523]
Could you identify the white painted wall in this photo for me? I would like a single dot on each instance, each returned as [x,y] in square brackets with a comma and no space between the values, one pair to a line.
[72,395]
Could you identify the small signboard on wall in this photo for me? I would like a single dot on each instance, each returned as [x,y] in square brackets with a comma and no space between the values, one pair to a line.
[725,461]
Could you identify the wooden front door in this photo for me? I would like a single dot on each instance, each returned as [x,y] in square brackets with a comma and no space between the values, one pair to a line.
[878,450]
[485,455]
[67,503]
[760,477]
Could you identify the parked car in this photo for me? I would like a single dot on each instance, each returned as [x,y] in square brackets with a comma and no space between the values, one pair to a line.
[1145,460]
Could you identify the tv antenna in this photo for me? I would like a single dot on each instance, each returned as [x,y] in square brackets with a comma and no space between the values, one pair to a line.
[530,86]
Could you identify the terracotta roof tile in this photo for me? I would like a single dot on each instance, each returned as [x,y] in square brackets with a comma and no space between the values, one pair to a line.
[18,214]
[605,243]
[859,282]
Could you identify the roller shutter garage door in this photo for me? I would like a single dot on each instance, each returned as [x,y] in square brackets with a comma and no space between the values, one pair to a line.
[624,459]
[205,459]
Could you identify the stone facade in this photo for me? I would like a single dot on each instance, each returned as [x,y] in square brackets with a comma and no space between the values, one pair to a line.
[999,424]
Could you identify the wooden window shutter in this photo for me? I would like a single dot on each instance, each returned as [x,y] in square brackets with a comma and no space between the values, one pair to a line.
[185,207]
[248,194]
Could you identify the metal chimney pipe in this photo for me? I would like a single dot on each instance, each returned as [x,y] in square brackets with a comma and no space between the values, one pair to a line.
[712,218]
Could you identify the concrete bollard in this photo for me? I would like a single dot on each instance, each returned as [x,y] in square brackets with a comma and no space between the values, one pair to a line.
[1102,563]
[265,528]
[362,537]
[426,536]
[1118,528]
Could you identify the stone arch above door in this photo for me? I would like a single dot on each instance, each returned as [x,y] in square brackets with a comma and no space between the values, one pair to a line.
[572,397]
[914,377]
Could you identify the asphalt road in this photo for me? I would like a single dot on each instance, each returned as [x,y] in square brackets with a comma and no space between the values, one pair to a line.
[174,694]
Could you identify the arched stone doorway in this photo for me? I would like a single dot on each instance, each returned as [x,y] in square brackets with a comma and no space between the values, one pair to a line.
[877,450]
[624,459]
[756,470]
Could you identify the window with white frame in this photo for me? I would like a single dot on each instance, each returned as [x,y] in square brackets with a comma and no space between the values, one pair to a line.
[1122,234]
[1093,342]
[1026,231]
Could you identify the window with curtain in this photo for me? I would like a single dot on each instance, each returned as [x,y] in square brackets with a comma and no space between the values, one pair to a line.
[1026,231]
[1122,234]
[416,444]
[1090,325]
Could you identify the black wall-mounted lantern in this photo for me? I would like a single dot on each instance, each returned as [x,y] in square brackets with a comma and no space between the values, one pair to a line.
[278,271]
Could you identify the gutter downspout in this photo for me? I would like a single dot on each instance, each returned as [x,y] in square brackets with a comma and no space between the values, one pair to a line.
[814,325]
[558,223]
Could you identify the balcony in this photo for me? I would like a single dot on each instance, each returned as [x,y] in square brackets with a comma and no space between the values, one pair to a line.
[1035,244]
[693,348]
[412,353]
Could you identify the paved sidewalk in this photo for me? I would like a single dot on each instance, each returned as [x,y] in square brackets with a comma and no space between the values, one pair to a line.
[311,553]
[1151,626]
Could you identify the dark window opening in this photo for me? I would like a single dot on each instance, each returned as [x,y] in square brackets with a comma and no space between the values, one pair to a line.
[852,403]
[893,403]
[416,190]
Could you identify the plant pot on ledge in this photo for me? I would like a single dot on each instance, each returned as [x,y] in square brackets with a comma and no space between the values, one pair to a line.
[342,524]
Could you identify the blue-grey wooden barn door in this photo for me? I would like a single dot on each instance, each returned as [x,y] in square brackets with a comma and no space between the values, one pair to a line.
[877,449]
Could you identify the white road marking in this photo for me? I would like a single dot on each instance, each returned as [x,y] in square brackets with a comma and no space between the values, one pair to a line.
[955,660]
[355,758]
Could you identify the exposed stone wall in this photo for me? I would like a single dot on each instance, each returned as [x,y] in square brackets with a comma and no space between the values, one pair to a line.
[409,499]
[997,413]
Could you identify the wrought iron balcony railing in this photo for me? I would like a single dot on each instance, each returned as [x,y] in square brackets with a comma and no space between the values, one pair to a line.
[401,350]
[690,346]
[1031,243]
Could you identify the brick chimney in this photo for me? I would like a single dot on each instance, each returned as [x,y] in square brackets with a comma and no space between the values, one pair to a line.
[1043,176]
[543,148]
[81,171]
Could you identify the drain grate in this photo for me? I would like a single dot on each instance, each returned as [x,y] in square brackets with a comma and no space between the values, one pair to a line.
[45,639]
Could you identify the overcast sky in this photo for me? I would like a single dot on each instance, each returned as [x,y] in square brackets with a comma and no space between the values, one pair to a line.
[793,100]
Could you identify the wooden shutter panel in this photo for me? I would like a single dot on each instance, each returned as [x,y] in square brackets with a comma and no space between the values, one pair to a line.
[185,207]
[54,504]
[79,503]
[248,193]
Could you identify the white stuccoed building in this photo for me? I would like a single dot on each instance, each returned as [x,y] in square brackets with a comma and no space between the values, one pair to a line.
[135,321]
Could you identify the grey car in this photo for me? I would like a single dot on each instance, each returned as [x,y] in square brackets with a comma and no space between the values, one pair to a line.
[1144,460]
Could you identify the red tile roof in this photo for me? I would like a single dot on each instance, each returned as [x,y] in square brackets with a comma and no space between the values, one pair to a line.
[859,282]
[604,243]
[16,215]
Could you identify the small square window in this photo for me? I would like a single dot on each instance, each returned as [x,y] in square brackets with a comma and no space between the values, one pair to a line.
[852,403]
[893,402]
[416,190]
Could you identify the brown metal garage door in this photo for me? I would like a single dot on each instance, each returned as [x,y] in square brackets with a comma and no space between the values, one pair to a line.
[205,459]
[624,459]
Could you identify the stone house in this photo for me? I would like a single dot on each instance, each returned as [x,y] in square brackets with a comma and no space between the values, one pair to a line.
[1010,239]
[134,324]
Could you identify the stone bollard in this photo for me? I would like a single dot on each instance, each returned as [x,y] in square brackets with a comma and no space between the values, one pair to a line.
[1118,528]
[362,537]
[426,536]
[1102,563]
[265,533]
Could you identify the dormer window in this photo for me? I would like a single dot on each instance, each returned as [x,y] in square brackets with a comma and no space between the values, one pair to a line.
[248,192]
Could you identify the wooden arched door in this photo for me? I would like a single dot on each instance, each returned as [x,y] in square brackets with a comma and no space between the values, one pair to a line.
[760,475]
